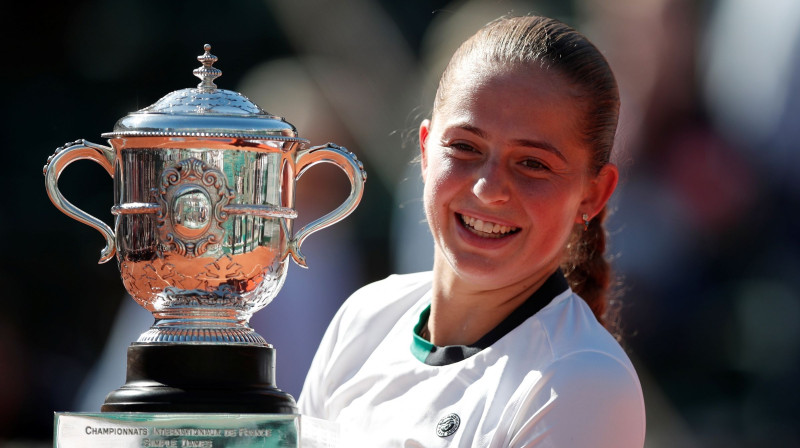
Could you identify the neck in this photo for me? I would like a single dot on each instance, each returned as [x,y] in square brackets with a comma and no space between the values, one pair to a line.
[463,311]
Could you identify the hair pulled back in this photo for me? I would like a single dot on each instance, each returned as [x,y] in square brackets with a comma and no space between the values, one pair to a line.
[548,44]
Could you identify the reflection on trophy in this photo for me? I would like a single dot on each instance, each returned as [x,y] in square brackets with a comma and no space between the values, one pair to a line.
[204,191]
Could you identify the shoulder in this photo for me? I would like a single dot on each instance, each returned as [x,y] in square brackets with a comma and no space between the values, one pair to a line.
[370,313]
[584,353]
[596,400]
[588,394]
[589,375]
[394,286]
[385,299]
[570,327]
[362,322]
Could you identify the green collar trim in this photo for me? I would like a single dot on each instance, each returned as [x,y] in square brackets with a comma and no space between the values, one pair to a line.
[421,348]
[432,355]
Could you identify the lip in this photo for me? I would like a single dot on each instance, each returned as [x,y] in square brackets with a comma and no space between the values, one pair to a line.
[482,242]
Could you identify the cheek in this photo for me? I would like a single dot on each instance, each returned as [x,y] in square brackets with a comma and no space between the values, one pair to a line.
[438,179]
[432,199]
[552,206]
[440,187]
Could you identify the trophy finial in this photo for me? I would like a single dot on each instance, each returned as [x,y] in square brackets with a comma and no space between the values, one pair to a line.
[207,73]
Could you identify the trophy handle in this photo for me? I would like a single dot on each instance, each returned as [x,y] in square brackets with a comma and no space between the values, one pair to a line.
[80,149]
[347,161]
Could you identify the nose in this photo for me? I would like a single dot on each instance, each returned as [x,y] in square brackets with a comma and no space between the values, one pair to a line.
[491,186]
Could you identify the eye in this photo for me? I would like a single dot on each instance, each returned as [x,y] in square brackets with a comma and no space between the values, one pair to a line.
[461,146]
[534,164]
[461,150]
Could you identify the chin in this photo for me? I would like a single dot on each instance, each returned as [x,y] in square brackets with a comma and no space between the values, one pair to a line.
[480,270]
[487,273]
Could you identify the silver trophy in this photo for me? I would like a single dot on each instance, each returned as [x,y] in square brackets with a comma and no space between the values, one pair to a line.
[204,194]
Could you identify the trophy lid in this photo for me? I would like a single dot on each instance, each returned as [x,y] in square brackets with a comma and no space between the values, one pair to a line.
[204,111]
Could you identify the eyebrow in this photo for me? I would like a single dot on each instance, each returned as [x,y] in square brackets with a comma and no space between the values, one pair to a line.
[539,144]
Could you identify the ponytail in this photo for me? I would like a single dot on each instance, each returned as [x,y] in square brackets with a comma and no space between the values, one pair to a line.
[589,273]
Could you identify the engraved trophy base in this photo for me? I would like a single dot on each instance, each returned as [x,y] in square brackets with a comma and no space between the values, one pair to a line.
[141,429]
[200,378]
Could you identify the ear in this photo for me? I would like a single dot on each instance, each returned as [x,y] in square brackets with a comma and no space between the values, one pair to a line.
[598,192]
[424,131]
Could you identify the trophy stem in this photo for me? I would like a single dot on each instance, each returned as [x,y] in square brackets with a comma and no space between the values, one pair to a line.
[200,378]
[172,328]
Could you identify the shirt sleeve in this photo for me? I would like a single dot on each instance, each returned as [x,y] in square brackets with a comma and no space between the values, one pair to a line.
[586,399]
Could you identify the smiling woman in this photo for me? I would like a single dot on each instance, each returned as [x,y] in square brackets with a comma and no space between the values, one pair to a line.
[503,343]
[501,151]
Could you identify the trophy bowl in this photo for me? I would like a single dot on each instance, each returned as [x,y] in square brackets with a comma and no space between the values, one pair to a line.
[204,196]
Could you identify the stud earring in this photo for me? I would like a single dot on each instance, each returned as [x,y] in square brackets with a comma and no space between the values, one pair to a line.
[585,221]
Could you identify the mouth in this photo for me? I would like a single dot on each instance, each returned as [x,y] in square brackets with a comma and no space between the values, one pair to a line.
[486,229]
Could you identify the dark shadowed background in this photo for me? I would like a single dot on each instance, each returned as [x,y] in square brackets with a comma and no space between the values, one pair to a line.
[704,233]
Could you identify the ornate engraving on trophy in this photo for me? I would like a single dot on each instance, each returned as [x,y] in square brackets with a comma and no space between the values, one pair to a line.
[192,197]
[158,284]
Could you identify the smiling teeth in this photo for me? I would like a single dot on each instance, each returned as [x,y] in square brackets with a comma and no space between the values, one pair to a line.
[486,227]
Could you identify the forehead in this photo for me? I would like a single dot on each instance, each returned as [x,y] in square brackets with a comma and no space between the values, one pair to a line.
[534,82]
[513,99]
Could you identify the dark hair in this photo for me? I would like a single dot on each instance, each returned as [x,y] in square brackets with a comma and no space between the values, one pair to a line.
[520,42]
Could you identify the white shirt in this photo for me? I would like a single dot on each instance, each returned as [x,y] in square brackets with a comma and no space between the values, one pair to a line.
[558,379]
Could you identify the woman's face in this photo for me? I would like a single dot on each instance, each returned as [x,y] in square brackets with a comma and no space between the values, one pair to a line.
[507,176]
